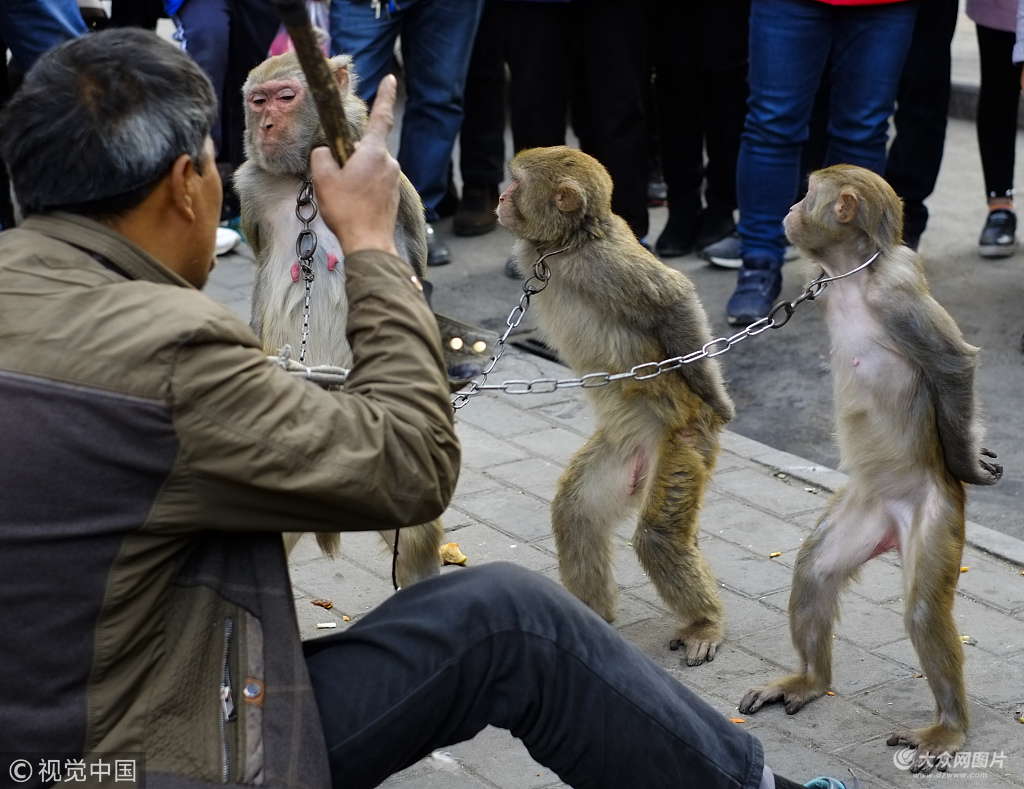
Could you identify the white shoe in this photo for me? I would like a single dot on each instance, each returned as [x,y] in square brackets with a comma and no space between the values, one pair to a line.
[227,239]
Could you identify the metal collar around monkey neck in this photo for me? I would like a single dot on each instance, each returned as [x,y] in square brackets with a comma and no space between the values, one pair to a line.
[644,370]
[305,247]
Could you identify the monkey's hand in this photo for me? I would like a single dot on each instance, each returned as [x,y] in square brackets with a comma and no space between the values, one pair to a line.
[935,746]
[793,691]
[992,471]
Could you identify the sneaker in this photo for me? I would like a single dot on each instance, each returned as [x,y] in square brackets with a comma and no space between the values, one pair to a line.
[998,237]
[757,287]
[678,237]
[475,214]
[227,239]
[831,783]
[657,189]
[724,253]
[437,253]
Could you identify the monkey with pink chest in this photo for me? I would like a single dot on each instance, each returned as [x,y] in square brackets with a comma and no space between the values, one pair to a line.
[281,129]
[909,438]
[610,305]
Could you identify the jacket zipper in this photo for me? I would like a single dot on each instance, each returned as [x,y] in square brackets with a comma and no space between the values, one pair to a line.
[227,705]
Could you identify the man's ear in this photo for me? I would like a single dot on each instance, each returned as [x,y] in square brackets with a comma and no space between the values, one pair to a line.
[182,181]
[846,206]
[568,196]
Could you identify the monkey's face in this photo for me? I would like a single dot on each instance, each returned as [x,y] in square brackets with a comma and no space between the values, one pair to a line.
[278,125]
[508,214]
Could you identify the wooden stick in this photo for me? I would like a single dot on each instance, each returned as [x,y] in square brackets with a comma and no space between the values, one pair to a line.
[318,76]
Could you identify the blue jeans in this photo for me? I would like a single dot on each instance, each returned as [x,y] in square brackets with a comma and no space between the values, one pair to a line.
[500,645]
[30,27]
[792,43]
[437,40]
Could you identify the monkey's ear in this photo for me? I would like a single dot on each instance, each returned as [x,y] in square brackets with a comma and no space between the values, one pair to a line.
[846,206]
[339,70]
[568,196]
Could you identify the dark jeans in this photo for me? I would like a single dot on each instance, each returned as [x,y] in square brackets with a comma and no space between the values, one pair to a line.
[792,44]
[228,38]
[482,138]
[997,109]
[437,38]
[922,106]
[439,661]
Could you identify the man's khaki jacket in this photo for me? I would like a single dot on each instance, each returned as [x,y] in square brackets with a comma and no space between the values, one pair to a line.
[150,457]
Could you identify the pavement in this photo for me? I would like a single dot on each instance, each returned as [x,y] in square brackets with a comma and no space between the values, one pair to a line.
[761,504]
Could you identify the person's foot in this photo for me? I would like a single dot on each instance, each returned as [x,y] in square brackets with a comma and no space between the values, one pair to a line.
[679,236]
[724,253]
[757,286]
[475,214]
[657,189]
[831,783]
[999,236]
[714,226]
[437,253]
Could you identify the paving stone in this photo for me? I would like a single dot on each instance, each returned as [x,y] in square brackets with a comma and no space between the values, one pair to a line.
[515,513]
[353,590]
[498,757]
[797,760]
[534,475]
[482,544]
[632,608]
[551,443]
[992,581]
[744,570]
[750,528]
[868,626]
[499,418]
[471,481]
[766,492]
[993,631]
[880,581]
[744,617]
[481,451]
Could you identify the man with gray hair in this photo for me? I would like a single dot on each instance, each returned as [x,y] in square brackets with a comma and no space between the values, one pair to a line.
[152,458]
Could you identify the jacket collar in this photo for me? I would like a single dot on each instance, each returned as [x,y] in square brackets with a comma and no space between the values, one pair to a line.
[99,239]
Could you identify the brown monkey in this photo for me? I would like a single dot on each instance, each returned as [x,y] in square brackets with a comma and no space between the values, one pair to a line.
[908,434]
[281,128]
[610,304]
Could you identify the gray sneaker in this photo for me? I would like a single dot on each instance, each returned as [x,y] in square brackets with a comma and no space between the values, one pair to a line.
[726,253]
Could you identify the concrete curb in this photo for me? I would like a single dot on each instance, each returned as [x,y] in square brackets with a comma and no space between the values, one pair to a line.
[981,537]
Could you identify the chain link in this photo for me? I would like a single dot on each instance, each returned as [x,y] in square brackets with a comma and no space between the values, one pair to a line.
[646,370]
[305,248]
[541,274]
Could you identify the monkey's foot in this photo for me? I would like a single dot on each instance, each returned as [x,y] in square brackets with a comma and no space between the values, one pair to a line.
[935,747]
[793,691]
[700,640]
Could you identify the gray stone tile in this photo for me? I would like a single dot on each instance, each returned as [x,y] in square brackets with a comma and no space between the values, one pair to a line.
[499,417]
[750,573]
[472,481]
[481,451]
[552,443]
[766,492]
[992,581]
[482,544]
[498,757]
[516,514]
[995,632]
[535,475]
[751,528]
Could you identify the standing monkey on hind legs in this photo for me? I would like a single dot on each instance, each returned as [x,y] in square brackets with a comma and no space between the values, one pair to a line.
[610,305]
[281,128]
[909,438]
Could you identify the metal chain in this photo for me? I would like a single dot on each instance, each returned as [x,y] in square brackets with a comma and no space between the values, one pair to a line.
[305,248]
[646,370]
[541,274]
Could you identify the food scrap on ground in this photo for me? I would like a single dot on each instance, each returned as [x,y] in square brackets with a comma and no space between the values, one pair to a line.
[450,554]
[323,603]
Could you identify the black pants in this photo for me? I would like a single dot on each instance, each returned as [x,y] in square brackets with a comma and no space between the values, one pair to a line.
[699,51]
[500,645]
[997,109]
[922,106]
[589,56]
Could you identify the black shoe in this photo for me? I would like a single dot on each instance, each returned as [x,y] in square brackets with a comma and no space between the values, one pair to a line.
[714,226]
[437,253]
[475,215]
[998,237]
[678,237]
[757,286]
